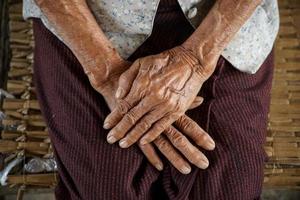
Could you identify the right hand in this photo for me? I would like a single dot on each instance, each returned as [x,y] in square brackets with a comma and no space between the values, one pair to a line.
[173,144]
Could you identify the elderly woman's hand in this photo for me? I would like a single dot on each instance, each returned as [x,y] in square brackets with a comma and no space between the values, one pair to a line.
[155,92]
[174,140]
[103,66]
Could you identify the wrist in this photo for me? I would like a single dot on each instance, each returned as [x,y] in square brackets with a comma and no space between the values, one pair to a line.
[104,69]
[77,27]
[206,59]
[108,90]
[98,57]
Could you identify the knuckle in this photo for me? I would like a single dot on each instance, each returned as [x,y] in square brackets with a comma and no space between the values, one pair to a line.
[145,125]
[177,162]
[170,131]
[130,117]
[188,124]
[159,127]
[184,119]
[144,62]
[161,143]
[180,121]
[180,141]
[123,107]
[176,115]
[180,108]
[139,61]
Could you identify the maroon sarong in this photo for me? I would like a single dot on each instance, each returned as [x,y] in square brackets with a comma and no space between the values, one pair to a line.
[234,113]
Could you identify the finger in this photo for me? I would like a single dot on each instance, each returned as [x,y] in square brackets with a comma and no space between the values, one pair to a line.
[158,128]
[128,121]
[123,106]
[190,128]
[142,126]
[186,148]
[151,155]
[172,155]
[126,80]
[197,102]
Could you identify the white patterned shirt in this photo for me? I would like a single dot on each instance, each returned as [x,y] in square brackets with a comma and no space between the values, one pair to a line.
[128,23]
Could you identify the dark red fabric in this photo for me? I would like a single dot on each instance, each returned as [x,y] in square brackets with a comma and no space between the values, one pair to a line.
[234,113]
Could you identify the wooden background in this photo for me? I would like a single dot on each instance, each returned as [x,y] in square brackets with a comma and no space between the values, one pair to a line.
[283,139]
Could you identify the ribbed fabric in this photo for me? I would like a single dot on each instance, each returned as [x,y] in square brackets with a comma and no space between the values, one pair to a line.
[234,113]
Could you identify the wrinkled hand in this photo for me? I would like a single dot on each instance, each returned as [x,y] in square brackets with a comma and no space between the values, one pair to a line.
[73,21]
[155,92]
[172,144]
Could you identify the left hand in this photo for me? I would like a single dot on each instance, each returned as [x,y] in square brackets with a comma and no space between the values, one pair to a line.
[156,90]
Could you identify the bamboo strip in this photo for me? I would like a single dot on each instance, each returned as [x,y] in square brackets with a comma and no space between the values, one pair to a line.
[43,180]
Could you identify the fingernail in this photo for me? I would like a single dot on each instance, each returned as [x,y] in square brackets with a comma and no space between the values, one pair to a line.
[211,144]
[200,100]
[123,144]
[204,164]
[106,125]
[119,92]
[111,139]
[159,166]
[186,169]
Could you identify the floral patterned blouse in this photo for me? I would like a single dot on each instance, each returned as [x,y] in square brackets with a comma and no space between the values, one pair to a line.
[128,23]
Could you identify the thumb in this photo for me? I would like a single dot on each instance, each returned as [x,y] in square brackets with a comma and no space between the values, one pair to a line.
[197,102]
[126,80]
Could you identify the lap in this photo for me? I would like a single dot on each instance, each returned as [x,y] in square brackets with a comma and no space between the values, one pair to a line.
[237,107]
[89,167]
[234,113]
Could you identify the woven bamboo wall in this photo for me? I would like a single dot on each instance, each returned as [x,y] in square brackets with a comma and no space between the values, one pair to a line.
[283,168]
[24,133]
